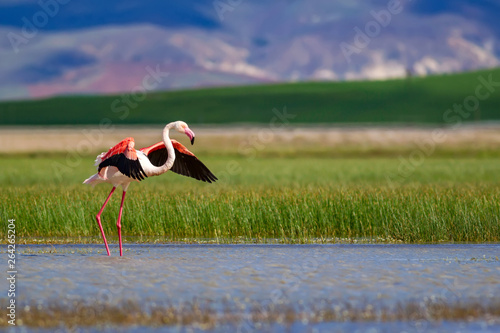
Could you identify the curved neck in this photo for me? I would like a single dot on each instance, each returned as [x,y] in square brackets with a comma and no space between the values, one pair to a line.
[154,170]
[170,148]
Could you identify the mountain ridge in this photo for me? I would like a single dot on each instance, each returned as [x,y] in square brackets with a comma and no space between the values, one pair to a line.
[253,42]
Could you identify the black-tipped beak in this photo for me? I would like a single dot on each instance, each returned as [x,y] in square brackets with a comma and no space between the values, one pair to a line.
[190,134]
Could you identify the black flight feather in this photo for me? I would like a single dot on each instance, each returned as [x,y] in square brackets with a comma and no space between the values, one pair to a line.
[184,164]
[130,168]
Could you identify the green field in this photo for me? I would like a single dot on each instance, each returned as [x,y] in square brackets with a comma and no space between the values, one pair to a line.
[285,200]
[407,101]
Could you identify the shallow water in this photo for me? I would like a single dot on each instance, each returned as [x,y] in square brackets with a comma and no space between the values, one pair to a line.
[301,277]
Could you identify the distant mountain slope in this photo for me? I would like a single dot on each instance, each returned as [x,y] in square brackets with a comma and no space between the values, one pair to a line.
[447,100]
[106,47]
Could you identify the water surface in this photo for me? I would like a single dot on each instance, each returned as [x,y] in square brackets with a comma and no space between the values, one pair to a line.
[249,278]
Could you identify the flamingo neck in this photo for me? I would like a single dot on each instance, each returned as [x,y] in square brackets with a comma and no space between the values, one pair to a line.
[170,148]
[154,170]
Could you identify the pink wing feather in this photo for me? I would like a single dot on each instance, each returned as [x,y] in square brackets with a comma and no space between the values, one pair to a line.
[160,145]
[125,146]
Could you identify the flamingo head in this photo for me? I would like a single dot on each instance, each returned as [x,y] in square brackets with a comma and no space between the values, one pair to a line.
[182,127]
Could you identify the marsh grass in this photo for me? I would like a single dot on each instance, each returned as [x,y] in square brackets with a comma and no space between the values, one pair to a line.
[411,215]
[286,200]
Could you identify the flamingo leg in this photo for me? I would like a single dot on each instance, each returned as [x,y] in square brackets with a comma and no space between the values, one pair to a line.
[118,223]
[98,218]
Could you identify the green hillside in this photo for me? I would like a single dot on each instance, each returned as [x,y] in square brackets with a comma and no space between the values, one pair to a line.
[411,101]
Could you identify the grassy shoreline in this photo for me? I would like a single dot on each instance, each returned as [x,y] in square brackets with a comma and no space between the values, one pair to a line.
[293,217]
[287,200]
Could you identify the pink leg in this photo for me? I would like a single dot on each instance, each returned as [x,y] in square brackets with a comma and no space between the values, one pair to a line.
[98,218]
[118,223]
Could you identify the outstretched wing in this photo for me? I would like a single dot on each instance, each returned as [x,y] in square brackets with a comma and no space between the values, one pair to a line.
[186,163]
[124,157]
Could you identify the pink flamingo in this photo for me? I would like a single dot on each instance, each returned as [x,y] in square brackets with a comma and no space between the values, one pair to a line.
[122,164]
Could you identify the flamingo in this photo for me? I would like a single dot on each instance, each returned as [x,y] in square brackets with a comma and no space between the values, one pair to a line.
[122,164]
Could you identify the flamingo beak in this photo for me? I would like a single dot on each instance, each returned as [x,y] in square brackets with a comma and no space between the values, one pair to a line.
[190,135]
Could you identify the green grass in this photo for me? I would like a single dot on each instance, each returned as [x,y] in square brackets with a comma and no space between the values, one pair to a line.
[288,200]
[414,101]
